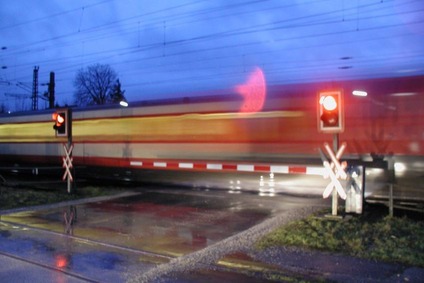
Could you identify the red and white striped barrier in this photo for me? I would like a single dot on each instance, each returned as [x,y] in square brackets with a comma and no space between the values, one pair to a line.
[228,167]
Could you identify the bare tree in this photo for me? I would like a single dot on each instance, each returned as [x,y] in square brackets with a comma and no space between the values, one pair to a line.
[97,85]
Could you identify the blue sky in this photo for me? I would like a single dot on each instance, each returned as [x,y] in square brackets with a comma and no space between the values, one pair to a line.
[167,48]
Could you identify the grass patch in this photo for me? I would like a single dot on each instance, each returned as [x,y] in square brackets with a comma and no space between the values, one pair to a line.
[382,238]
[16,197]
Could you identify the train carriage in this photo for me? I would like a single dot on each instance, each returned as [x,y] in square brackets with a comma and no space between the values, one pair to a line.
[207,134]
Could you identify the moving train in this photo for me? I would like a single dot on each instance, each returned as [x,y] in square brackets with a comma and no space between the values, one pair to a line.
[252,128]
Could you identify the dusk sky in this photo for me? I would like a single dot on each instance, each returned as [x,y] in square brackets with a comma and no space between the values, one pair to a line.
[167,48]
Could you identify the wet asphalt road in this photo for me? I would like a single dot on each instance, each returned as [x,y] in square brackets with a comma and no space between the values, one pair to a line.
[119,240]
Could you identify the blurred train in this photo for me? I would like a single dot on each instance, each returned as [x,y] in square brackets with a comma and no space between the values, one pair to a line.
[194,138]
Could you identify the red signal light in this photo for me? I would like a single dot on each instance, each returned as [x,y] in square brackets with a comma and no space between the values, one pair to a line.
[60,119]
[329,103]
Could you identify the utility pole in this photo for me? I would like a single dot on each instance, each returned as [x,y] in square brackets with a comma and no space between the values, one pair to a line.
[35,89]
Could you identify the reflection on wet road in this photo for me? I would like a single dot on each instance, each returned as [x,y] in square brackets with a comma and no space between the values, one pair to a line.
[108,240]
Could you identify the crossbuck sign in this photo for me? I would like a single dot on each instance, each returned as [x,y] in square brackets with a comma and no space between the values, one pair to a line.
[335,171]
[67,162]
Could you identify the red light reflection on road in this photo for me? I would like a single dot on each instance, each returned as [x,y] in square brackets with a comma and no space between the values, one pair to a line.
[61,261]
[253,92]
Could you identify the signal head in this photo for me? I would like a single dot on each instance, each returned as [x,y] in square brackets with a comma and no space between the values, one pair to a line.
[330,112]
[61,125]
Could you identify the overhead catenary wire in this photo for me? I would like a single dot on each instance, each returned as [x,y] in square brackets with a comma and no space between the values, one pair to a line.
[217,36]
[153,45]
[237,31]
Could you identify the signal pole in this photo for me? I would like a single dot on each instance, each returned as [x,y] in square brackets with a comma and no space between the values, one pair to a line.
[69,165]
[331,120]
[63,128]
[335,196]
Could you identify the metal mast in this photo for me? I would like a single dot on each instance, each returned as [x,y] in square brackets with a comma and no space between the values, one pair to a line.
[35,89]
[51,90]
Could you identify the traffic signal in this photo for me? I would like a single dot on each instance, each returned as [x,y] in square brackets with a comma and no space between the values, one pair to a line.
[330,112]
[62,123]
